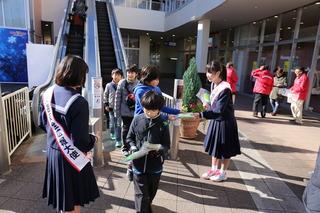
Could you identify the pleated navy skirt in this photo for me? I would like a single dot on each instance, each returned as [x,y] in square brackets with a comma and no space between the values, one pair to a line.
[222,140]
[64,187]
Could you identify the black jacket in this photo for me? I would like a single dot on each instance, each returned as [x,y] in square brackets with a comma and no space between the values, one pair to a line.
[156,131]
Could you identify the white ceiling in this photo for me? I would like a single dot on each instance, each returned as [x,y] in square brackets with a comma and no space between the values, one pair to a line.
[237,12]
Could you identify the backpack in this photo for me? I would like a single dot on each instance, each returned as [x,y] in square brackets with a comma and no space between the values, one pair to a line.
[130,99]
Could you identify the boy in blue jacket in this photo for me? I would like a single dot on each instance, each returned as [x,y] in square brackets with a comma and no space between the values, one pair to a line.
[150,81]
[151,127]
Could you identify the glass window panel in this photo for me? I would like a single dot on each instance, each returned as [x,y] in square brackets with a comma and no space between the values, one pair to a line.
[266,55]
[270,30]
[231,38]
[14,12]
[133,56]
[223,39]
[283,56]
[287,25]
[252,64]
[315,92]
[309,21]
[255,31]
[133,42]
[125,40]
[303,57]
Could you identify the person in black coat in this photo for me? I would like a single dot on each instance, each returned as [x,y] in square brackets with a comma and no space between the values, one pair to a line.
[221,141]
[153,128]
[66,186]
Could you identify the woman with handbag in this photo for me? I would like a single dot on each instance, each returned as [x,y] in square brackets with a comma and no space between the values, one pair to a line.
[279,81]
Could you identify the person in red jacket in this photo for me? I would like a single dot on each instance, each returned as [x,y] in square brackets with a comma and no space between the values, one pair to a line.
[300,90]
[232,79]
[262,88]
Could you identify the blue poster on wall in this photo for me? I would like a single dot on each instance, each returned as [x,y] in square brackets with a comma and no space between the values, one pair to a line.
[13,59]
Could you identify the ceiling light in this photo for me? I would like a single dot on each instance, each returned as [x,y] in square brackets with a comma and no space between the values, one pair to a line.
[147,34]
[294,18]
[254,22]
[47,25]
[275,16]
[150,39]
[289,28]
[173,35]
[317,3]
[174,59]
[301,23]
[161,37]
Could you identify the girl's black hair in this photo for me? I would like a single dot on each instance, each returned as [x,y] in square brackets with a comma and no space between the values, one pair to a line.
[303,69]
[214,67]
[148,74]
[152,101]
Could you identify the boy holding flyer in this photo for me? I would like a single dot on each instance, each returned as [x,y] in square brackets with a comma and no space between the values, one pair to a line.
[148,128]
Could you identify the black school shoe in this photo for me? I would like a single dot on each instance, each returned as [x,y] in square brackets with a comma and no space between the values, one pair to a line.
[130,174]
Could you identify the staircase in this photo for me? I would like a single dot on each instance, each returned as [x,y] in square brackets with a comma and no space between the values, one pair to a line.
[75,41]
[106,49]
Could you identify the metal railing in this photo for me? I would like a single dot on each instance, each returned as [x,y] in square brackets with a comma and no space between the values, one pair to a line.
[17,118]
[59,52]
[173,127]
[167,6]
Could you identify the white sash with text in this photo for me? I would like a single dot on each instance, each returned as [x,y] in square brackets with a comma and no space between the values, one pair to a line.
[71,153]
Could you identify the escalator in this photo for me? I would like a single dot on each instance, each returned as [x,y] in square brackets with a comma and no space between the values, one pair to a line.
[106,48]
[75,41]
[70,41]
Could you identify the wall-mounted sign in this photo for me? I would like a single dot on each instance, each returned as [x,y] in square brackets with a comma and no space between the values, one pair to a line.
[96,93]
[13,59]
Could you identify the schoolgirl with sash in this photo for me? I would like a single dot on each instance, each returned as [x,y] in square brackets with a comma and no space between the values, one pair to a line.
[221,141]
[69,179]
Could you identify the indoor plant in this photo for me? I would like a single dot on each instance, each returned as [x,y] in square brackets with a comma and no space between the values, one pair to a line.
[190,102]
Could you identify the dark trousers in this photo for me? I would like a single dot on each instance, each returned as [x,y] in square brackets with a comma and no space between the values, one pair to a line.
[126,122]
[263,99]
[145,189]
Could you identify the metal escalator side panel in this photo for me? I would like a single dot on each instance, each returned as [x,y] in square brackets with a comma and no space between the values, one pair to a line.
[121,56]
[59,52]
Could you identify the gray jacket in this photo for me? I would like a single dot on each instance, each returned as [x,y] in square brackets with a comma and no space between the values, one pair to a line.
[278,82]
[109,94]
[311,195]
[121,108]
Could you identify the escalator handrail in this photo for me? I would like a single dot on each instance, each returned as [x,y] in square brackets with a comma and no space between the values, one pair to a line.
[121,57]
[96,43]
[59,52]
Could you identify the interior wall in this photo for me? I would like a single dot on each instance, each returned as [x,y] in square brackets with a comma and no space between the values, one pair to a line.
[53,11]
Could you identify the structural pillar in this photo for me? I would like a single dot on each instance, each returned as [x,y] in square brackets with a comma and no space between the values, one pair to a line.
[202,44]
[144,50]
[315,58]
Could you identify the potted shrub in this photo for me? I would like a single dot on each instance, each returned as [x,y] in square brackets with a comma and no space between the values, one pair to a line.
[190,102]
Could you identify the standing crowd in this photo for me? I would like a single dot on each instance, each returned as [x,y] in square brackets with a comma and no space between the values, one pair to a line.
[139,118]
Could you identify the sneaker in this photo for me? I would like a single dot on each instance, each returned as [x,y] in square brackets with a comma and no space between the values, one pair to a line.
[118,144]
[273,113]
[112,136]
[207,175]
[219,176]
[255,114]
[130,174]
